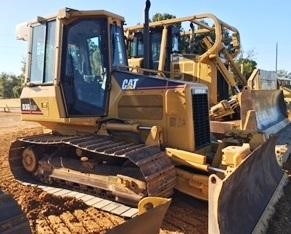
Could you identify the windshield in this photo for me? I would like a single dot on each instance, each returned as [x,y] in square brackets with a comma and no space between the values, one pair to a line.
[156,38]
[137,46]
[85,70]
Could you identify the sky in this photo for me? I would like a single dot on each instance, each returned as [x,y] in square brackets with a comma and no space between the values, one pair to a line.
[262,24]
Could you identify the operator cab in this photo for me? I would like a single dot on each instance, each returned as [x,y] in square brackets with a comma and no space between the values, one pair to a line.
[76,51]
[136,46]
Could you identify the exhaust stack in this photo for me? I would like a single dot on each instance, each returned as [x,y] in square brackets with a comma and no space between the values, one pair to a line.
[146,36]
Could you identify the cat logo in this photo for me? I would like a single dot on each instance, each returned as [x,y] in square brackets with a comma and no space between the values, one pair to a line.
[129,84]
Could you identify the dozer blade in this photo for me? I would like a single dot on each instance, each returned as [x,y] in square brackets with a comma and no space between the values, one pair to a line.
[263,110]
[287,94]
[152,211]
[242,202]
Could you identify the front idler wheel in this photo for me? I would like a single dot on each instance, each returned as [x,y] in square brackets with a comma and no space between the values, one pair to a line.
[29,160]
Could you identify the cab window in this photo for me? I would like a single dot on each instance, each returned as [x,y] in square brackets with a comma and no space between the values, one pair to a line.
[43,53]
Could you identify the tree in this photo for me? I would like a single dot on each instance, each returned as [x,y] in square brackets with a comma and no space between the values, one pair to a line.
[165,16]
[10,85]
[247,63]
[284,74]
[160,16]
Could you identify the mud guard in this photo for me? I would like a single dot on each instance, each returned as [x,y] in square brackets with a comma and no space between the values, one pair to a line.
[240,202]
[152,211]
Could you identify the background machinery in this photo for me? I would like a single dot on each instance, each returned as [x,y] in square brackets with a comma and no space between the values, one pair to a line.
[202,48]
[199,48]
[127,136]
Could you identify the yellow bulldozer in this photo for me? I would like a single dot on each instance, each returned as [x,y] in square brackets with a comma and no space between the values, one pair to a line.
[202,48]
[129,136]
[199,48]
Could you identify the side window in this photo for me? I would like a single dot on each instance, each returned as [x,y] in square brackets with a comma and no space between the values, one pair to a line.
[38,48]
[43,53]
[50,52]
[156,46]
[118,45]
[140,48]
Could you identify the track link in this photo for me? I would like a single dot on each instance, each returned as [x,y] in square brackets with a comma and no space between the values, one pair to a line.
[90,200]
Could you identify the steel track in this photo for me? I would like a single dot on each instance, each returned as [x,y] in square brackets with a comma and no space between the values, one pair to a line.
[156,169]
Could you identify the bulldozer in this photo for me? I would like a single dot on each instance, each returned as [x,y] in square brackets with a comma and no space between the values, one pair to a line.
[203,53]
[199,48]
[262,79]
[129,136]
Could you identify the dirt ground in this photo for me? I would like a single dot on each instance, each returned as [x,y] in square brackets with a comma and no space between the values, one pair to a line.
[52,214]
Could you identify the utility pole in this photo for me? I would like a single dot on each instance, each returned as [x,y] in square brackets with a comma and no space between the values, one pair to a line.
[276,63]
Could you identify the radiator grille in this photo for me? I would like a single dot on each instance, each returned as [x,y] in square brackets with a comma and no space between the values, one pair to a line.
[201,120]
